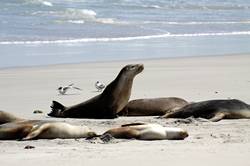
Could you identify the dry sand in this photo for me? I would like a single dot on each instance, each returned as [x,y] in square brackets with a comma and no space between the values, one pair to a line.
[227,142]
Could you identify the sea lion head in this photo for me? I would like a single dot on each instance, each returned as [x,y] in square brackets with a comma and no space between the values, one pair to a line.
[132,69]
[176,133]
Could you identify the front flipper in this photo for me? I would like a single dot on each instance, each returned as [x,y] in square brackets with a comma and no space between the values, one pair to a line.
[217,117]
[36,131]
[123,133]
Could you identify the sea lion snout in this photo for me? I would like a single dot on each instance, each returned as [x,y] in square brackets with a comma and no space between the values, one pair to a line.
[140,68]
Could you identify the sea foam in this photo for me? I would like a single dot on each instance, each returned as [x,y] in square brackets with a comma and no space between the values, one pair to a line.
[86,40]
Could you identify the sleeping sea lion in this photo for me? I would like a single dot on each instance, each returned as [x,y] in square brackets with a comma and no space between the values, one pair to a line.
[6,117]
[106,105]
[213,110]
[147,131]
[36,129]
[21,129]
[152,106]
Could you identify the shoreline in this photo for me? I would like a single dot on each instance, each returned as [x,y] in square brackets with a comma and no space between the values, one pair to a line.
[121,60]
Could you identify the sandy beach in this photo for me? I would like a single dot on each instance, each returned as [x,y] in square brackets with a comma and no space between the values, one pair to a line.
[227,142]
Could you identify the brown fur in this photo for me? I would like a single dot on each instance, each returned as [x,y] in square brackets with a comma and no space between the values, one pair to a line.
[152,106]
[124,133]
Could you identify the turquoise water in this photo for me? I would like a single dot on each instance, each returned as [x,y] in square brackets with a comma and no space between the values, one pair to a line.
[39,32]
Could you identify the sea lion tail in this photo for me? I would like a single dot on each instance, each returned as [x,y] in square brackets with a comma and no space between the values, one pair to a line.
[57,109]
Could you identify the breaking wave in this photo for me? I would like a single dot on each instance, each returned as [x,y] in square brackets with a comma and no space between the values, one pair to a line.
[86,40]
[197,22]
[39,2]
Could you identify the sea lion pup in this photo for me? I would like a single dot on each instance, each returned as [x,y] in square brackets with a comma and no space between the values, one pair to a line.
[147,131]
[106,105]
[6,117]
[37,129]
[213,110]
[152,107]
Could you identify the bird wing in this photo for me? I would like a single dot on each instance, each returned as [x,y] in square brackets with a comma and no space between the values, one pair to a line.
[70,85]
[102,86]
[77,88]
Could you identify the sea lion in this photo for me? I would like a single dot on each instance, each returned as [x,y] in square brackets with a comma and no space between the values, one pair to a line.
[13,127]
[147,131]
[213,110]
[152,106]
[106,105]
[38,129]
[6,117]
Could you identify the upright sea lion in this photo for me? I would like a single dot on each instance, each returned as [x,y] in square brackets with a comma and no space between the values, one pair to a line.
[106,105]
[213,110]
[6,117]
[147,131]
[152,107]
[21,129]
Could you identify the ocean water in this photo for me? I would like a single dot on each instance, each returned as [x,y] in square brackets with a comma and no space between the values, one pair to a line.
[41,32]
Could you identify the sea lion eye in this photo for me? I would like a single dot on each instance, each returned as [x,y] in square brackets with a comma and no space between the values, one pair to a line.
[132,67]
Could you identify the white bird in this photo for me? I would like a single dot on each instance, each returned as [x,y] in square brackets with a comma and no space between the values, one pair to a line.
[99,86]
[63,90]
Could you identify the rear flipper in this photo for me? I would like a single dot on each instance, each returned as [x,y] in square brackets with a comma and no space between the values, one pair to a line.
[167,115]
[217,117]
[57,109]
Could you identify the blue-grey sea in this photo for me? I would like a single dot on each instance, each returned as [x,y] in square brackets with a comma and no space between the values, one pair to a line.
[42,32]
